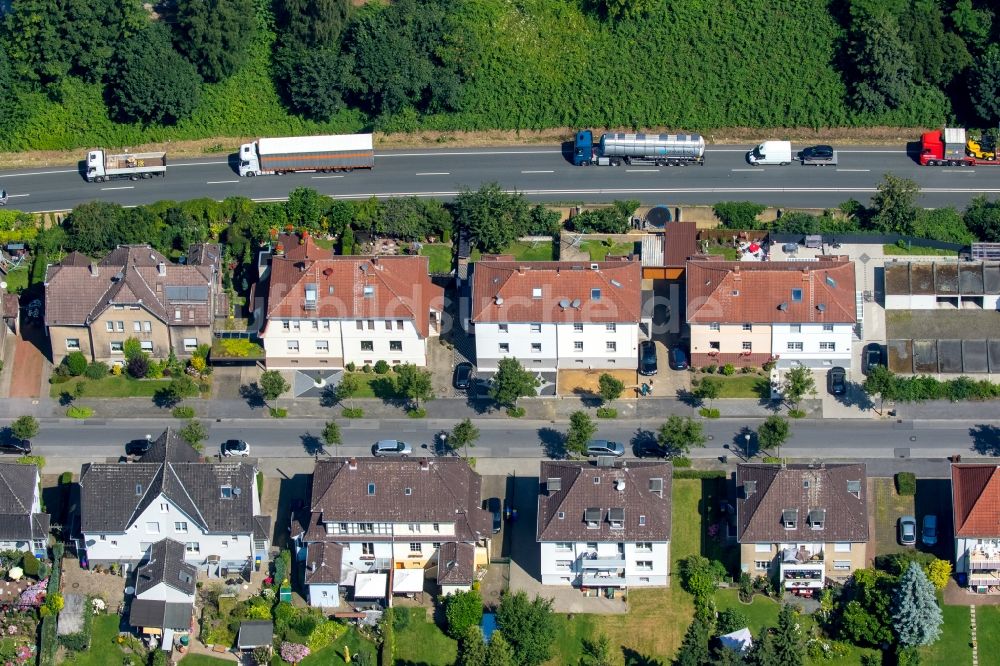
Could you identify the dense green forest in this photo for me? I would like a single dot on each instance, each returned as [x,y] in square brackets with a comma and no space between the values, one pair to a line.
[117,73]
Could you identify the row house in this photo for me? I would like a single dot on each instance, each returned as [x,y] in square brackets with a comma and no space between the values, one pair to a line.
[23,525]
[793,312]
[975,490]
[381,527]
[805,523]
[326,311]
[604,527]
[212,508]
[557,314]
[133,292]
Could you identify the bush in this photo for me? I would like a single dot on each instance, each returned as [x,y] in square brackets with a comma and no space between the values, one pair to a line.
[138,366]
[353,413]
[65,478]
[78,412]
[515,412]
[96,370]
[183,412]
[728,369]
[278,412]
[709,412]
[680,461]
[700,576]
[417,413]
[607,413]
[906,483]
[381,367]
[463,610]
[76,363]
[366,368]
[30,565]
[700,474]
[738,214]
[351,367]
[796,414]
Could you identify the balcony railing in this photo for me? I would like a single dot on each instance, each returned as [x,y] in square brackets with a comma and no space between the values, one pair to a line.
[981,560]
[602,580]
[603,563]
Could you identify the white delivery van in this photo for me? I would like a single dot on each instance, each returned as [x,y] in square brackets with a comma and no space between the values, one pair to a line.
[771,152]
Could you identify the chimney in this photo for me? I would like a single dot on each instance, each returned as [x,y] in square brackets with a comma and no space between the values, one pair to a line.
[161,269]
[375,261]
[312,566]
[352,463]
[94,270]
[425,465]
[521,269]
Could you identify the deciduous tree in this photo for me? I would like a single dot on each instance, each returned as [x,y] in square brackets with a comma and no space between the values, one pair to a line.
[305,208]
[528,626]
[610,387]
[215,35]
[463,436]
[679,434]
[494,218]
[414,382]
[708,389]
[881,382]
[350,384]
[463,611]
[773,432]
[24,427]
[883,62]
[272,385]
[983,216]
[581,430]
[313,23]
[193,433]
[596,652]
[916,616]
[331,434]
[984,84]
[799,382]
[512,382]
[894,205]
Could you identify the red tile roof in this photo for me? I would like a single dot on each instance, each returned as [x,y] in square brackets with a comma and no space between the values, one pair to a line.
[300,248]
[762,292]
[504,291]
[400,288]
[680,241]
[976,500]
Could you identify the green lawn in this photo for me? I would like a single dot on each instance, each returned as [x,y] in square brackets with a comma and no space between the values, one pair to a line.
[204,660]
[104,648]
[17,280]
[323,243]
[531,251]
[763,612]
[111,387]
[697,497]
[988,631]
[888,508]
[742,386]
[724,251]
[334,654]
[917,251]
[599,249]
[954,646]
[423,642]
[376,386]
[440,255]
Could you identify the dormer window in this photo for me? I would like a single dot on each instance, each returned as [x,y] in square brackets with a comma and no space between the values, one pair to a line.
[854,488]
[312,293]
[592,516]
[371,488]
[616,516]
[536,292]
[369,291]
[138,490]
[226,492]
[790,519]
[407,491]
[656,486]
[595,294]
[329,528]
[817,517]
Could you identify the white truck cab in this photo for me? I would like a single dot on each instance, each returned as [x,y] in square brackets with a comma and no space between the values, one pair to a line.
[3,197]
[249,164]
[95,165]
[771,152]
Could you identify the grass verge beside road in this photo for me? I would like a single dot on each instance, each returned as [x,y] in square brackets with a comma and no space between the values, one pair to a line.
[742,386]
[113,386]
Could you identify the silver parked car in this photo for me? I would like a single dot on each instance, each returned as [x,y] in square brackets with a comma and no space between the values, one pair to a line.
[604,447]
[385,448]
[907,530]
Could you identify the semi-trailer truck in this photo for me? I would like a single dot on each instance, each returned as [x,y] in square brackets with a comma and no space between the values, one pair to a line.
[949,147]
[339,152]
[650,149]
[102,166]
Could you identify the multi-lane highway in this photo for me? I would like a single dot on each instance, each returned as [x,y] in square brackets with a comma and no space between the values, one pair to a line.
[543,173]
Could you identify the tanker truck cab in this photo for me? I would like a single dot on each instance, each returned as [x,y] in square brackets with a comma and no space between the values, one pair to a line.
[249,164]
[583,148]
[771,152]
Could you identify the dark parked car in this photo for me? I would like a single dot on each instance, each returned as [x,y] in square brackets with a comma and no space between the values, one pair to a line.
[647,357]
[138,447]
[821,152]
[21,447]
[929,534]
[463,376]
[493,506]
[836,381]
[678,359]
[649,449]
[872,357]
[235,447]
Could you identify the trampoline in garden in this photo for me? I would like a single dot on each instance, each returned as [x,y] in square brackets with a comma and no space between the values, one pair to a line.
[658,216]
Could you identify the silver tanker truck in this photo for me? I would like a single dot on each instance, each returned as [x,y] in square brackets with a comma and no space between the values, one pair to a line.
[638,149]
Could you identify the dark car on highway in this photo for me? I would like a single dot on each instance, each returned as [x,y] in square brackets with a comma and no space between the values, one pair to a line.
[463,376]
[836,381]
[678,359]
[647,357]
[493,506]
[872,357]
[821,152]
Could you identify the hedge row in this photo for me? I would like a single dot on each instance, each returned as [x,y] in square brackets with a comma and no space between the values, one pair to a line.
[700,474]
[49,639]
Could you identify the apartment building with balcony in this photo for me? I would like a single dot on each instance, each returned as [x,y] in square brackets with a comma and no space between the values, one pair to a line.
[604,527]
[376,527]
[975,490]
[793,312]
[807,523]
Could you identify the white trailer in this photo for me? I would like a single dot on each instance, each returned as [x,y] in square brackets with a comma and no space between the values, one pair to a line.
[338,152]
[133,166]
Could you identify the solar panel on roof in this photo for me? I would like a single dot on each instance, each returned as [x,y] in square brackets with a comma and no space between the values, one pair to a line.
[198,293]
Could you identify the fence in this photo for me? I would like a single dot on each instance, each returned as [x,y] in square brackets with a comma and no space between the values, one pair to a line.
[861,239]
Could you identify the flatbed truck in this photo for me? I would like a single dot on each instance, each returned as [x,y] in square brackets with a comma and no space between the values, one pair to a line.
[102,166]
[950,147]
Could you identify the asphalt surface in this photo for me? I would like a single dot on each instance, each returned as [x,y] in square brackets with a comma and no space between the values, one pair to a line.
[508,438]
[542,173]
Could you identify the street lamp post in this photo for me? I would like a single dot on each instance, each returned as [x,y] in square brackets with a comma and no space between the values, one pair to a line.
[746,436]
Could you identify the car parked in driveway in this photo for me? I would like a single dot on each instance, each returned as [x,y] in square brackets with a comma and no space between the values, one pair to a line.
[462,378]
[836,381]
[929,533]
[647,357]
[872,357]
[385,448]
[907,530]
[604,447]
[493,506]
[678,359]
[235,447]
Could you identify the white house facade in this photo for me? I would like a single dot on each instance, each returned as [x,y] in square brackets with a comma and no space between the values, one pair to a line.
[812,345]
[975,492]
[604,527]
[554,346]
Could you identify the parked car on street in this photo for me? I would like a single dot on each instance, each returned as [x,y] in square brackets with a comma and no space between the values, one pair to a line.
[138,447]
[872,357]
[647,357]
[493,506]
[907,530]
[649,448]
[604,447]
[235,447]
[929,533]
[463,376]
[678,359]
[836,381]
[21,447]
[385,448]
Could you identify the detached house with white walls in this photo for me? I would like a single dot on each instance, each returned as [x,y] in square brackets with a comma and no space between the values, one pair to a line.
[23,525]
[165,586]
[378,527]
[746,313]
[602,528]
[805,523]
[975,498]
[557,314]
[324,312]
[210,507]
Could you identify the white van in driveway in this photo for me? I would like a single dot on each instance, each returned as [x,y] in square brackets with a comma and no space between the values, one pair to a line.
[771,152]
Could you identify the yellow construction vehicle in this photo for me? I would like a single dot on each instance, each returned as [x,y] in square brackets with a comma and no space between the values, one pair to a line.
[983,149]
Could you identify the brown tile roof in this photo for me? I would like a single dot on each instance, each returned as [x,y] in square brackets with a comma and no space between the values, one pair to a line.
[400,288]
[975,493]
[641,488]
[18,484]
[323,563]
[76,259]
[11,306]
[762,292]
[765,491]
[166,565]
[440,490]
[301,248]
[610,293]
[129,275]
[680,241]
[456,563]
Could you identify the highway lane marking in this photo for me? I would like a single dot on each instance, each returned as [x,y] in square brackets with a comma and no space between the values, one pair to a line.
[854,170]
[322,177]
[642,171]
[14,196]
[433,173]
[220,182]
[180,164]
[751,169]
[476,152]
[39,173]
[550,171]
[958,171]
[128,187]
